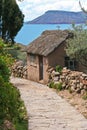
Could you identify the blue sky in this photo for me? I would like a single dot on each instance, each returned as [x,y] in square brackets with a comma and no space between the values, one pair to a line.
[34,8]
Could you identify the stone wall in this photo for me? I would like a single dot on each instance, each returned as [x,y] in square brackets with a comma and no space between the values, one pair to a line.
[73,80]
[19,70]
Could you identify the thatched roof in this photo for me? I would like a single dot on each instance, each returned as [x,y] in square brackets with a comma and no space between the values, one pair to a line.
[47,42]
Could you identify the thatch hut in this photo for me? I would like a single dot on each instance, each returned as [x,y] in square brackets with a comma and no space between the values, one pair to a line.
[48,50]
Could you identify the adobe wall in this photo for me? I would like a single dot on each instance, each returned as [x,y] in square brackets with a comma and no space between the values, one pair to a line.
[45,72]
[82,68]
[33,70]
[57,56]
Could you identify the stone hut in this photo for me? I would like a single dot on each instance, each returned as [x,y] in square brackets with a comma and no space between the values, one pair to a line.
[47,51]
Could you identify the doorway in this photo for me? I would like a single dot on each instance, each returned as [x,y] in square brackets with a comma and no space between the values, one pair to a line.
[40,67]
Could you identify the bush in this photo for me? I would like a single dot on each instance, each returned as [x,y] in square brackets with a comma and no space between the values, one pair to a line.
[51,85]
[4,71]
[58,86]
[11,106]
[58,68]
[17,51]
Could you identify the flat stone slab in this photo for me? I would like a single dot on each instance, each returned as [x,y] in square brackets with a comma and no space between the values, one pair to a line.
[46,110]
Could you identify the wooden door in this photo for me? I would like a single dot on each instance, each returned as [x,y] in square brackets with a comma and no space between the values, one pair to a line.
[40,67]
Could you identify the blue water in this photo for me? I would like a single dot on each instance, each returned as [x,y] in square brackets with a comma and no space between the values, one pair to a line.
[29,32]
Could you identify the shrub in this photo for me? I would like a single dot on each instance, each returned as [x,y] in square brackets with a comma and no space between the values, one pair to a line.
[11,106]
[58,68]
[17,51]
[51,84]
[58,86]
[4,71]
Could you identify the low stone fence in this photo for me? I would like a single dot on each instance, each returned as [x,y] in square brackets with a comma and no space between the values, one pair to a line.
[19,70]
[73,80]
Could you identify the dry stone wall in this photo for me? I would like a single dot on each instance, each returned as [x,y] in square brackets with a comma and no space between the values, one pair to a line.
[19,70]
[73,80]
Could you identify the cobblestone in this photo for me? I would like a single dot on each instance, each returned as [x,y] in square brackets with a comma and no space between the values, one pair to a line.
[46,110]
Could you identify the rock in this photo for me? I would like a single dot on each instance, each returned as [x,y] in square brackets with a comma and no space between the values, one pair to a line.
[75,80]
[8,125]
[84,75]
[63,85]
[82,92]
[85,87]
[81,86]
[78,90]
[18,70]
[55,79]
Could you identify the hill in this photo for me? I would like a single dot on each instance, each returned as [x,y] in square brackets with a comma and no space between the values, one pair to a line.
[60,17]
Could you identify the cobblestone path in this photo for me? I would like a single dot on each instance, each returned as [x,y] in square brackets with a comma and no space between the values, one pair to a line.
[47,110]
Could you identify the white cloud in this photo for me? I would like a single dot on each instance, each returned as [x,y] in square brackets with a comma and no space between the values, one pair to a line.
[32,9]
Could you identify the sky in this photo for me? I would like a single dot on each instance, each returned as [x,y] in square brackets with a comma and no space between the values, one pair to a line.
[34,8]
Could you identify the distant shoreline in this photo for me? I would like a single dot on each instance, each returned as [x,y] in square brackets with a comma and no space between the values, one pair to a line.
[60,17]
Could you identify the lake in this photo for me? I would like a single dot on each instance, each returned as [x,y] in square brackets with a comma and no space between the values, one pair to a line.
[29,32]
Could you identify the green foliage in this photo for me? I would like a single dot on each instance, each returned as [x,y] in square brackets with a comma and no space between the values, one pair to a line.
[58,86]
[4,70]
[85,96]
[11,19]
[51,84]
[23,125]
[4,56]
[77,46]
[17,52]
[11,106]
[58,68]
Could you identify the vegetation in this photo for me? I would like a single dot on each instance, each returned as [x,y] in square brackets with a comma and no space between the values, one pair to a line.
[77,46]
[51,84]
[17,51]
[70,90]
[57,86]
[11,20]
[85,96]
[11,106]
[58,68]
[82,8]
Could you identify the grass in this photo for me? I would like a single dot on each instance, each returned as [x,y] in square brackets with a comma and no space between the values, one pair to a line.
[22,125]
[57,86]
[51,84]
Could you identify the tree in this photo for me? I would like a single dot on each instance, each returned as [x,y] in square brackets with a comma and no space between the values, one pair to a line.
[11,19]
[82,8]
[77,46]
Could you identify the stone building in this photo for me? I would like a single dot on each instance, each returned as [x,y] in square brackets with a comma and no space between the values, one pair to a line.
[47,51]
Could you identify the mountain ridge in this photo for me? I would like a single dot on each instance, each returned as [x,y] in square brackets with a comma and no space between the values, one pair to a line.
[60,17]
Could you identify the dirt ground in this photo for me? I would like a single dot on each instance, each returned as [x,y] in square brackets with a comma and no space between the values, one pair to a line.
[76,100]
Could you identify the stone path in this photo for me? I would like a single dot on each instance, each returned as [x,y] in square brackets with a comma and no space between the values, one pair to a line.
[46,110]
